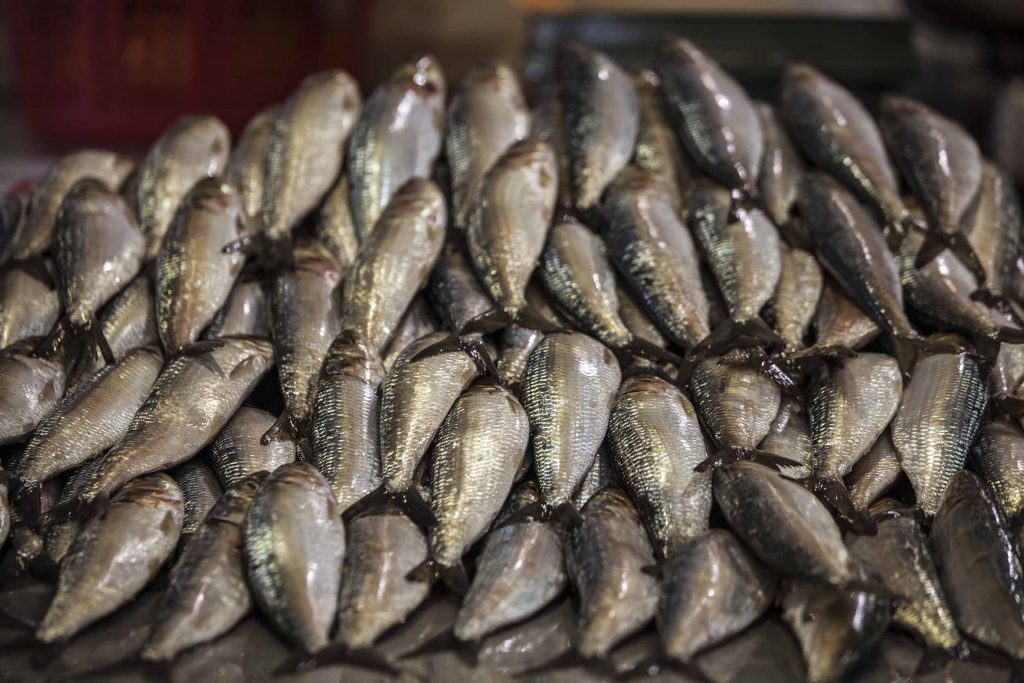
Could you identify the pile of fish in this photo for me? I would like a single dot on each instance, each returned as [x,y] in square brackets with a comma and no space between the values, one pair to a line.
[647,377]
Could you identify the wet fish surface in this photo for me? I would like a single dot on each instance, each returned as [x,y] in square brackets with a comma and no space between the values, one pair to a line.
[238,452]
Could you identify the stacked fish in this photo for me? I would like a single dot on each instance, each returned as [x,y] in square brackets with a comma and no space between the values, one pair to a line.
[653,344]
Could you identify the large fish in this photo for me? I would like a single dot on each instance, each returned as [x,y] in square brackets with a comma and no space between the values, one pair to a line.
[32,388]
[30,304]
[246,166]
[238,450]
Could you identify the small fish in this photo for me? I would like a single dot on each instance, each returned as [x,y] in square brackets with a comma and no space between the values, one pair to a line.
[487,115]
[518,342]
[993,230]
[200,490]
[419,320]
[29,302]
[766,652]
[874,473]
[58,535]
[114,556]
[193,147]
[937,421]
[607,555]
[797,296]
[237,452]
[656,441]
[712,589]
[247,163]
[32,388]
[549,126]
[782,168]
[207,593]
[457,294]
[978,566]
[528,647]
[335,227]
[839,323]
[790,436]
[602,119]
[294,545]
[398,137]
[999,458]
[246,313]
[657,149]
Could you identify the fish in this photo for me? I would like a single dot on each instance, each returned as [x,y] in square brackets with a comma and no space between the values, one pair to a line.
[797,297]
[606,557]
[782,168]
[192,148]
[186,409]
[790,436]
[548,124]
[487,115]
[508,225]
[899,555]
[568,390]
[33,387]
[601,118]
[344,424]
[35,233]
[335,228]
[306,149]
[114,556]
[517,342]
[714,116]
[293,540]
[200,491]
[656,256]
[841,324]
[656,442]
[476,454]
[978,566]
[636,319]
[992,226]
[936,423]
[765,652]
[5,512]
[305,318]
[874,474]
[207,592]
[245,313]
[398,137]
[712,589]
[457,294]
[419,320]
[998,455]
[941,164]
[58,535]
[246,165]
[657,148]
[237,452]
[30,304]
[520,571]
[394,263]
[194,274]
[529,646]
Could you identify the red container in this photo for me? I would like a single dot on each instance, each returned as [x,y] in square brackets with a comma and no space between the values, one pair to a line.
[118,72]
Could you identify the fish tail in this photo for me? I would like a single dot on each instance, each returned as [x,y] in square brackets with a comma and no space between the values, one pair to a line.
[905,349]
[528,513]
[1011,335]
[487,322]
[417,509]
[833,492]
[477,350]
[427,571]
[281,425]
[566,515]
[810,359]
[200,350]
[371,500]
[733,334]
[987,346]
[773,460]
[531,318]
[455,578]
[640,347]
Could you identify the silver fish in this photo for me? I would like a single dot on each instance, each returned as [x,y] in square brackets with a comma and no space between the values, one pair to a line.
[246,312]
[796,296]
[993,230]
[200,490]
[419,320]
[294,544]
[32,388]
[549,126]
[999,457]
[457,294]
[657,149]
[398,137]
[237,451]
[838,322]
[246,166]
[790,437]
[115,555]
[58,535]
[518,342]
[29,302]
[533,644]
[335,227]
[782,168]
[874,473]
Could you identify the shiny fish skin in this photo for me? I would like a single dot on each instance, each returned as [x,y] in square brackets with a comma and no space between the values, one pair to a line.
[335,227]
[193,147]
[568,389]
[306,148]
[294,544]
[246,313]
[999,457]
[839,322]
[237,452]
[344,422]
[187,407]
[36,231]
[383,547]
[32,388]
[200,490]
[993,230]
[393,264]
[29,302]
[486,116]
[782,168]
[657,149]
[936,423]
[636,320]
[520,570]
[194,274]
[874,473]
[737,403]
[979,568]
[714,117]
[518,342]
[115,555]
[790,437]
[602,118]
[656,441]
[712,589]
[606,557]
[419,320]
[456,292]
[246,165]
[207,594]
[398,137]
[796,296]
[59,535]
[549,126]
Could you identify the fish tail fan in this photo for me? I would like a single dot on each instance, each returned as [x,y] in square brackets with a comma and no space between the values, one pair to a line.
[733,334]
[94,333]
[487,322]
[1011,335]
[933,245]
[417,509]
[531,318]
[282,428]
[528,513]
[566,515]
[427,571]
[485,368]
[773,460]
[455,578]
[200,350]
[905,349]
[374,498]
[833,492]
[642,348]
[961,246]
[987,347]
[810,359]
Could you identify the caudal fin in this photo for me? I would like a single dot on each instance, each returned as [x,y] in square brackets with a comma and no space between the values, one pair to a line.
[937,241]
[642,348]
[833,493]
[733,334]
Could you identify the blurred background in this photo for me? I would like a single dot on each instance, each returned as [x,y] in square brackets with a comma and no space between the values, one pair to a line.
[115,73]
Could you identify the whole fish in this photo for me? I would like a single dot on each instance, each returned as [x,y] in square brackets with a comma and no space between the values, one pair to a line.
[207,593]
[246,312]
[834,130]
[712,589]
[941,164]
[58,535]
[657,149]
[419,320]
[294,545]
[655,253]
[344,422]
[114,556]
[841,324]
[36,231]
[335,227]
[714,117]
[194,274]
[937,421]
[32,388]
[899,555]
[486,116]
[393,264]
[305,149]
[518,342]
[520,570]
[29,302]
[796,297]
[188,405]
[247,163]
[602,119]
[398,137]
[457,294]
[509,222]
[200,490]
[790,437]
[607,555]
[549,125]
[305,314]
[476,454]
[568,389]
[999,458]
[979,568]
[778,182]
[874,473]
[993,230]
[656,441]
[193,147]
[237,452]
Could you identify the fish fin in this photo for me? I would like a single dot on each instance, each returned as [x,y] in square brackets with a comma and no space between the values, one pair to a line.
[812,358]
[771,460]
[733,334]
[487,322]
[200,350]
[639,346]
[417,509]
[727,456]
[456,579]
[937,241]
[96,337]
[533,512]
[652,570]
[449,344]
[833,493]
[905,350]
[27,497]
[442,642]
[532,319]
[988,347]
[932,246]
[427,571]
[280,424]
[477,350]
[899,513]
[1011,335]
[376,497]
[566,515]
[55,344]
